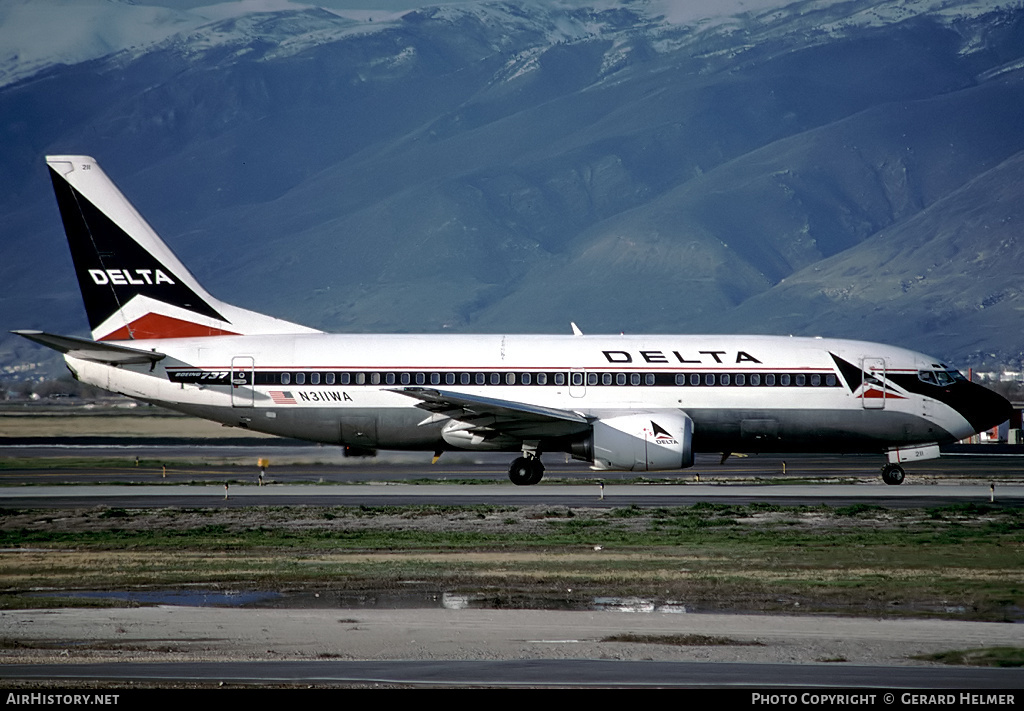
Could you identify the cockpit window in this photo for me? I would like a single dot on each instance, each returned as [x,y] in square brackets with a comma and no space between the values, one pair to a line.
[940,378]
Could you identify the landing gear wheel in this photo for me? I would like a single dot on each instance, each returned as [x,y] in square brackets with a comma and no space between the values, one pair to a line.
[526,471]
[893,474]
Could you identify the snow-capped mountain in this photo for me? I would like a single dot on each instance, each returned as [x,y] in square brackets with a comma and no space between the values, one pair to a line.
[833,168]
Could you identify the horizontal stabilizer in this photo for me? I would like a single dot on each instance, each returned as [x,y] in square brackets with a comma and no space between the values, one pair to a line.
[92,350]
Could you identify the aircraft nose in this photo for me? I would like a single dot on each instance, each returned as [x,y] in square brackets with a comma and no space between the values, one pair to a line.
[985,409]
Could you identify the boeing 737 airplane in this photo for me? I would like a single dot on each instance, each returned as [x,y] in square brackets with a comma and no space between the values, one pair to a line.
[638,403]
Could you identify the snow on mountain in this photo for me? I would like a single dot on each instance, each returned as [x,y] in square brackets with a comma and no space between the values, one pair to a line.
[35,35]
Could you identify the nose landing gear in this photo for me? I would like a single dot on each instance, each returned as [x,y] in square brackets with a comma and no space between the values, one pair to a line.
[893,474]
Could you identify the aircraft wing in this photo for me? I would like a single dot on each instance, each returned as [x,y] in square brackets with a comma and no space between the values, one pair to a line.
[92,350]
[509,417]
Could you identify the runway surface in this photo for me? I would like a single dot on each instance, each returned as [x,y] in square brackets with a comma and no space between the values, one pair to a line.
[557,673]
[144,496]
[166,475]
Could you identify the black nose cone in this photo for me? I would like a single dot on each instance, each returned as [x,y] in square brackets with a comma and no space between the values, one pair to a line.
[983,408]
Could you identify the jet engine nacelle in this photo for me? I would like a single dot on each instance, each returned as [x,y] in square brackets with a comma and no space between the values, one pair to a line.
[654,441]
[474,437]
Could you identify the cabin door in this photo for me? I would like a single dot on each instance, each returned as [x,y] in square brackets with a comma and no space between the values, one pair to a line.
[872,395]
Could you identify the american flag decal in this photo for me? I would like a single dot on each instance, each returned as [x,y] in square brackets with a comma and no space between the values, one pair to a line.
[282,397]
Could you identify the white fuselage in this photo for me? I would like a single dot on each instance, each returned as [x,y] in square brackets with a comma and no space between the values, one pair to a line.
[743,393]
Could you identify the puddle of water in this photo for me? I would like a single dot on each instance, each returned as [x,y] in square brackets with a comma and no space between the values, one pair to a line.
[183,598]
[389,600]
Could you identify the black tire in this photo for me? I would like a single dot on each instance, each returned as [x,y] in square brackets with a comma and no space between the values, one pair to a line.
[525,471]
[893,474]
[538,471]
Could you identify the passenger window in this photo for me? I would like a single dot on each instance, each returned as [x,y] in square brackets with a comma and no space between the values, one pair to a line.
[741,379]
[405,378]
[329,378]
[591,378]
[634,378]
[830,380]
[709,379]
[314,378]
[542,378]
[815,380]
[526,379]
[559,378]
[481,379]
[769,379]
[464,379]
[360,378]
[286,378]
[680,379]
[510,378]
[784,379]
[755,379]
[649,379]
[435,378]
[389,379]
[606,379]
[300,378]
[724,379]
[374,378]
[346,378]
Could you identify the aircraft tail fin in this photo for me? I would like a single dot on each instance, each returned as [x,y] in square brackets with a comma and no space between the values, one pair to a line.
[133,285]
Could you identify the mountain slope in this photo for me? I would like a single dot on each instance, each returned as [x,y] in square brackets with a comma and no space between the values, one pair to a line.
[512,166]
[950,275]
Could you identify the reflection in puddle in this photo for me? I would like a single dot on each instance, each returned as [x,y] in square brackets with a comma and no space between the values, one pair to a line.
[636,604]
[390,600]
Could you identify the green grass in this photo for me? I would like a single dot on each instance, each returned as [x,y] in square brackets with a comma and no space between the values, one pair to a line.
[954,562]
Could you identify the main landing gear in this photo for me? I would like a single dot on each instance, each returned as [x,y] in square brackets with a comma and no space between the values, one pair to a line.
[526,470]
[893,474]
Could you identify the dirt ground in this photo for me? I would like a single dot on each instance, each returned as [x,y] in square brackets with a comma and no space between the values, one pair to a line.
[324,620]
[188,633]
